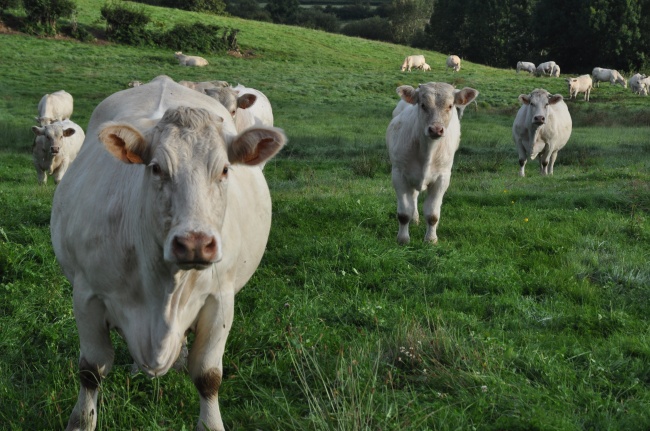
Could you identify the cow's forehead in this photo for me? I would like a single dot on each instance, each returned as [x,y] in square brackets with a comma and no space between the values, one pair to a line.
[436,92]
[538,95]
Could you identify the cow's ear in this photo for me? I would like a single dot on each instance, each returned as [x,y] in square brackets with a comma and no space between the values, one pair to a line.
[68,132]
[38,131]
[246,101]
[555,98]
[524,99]
[408,94]
[465,96]
[124,142]
[256,145]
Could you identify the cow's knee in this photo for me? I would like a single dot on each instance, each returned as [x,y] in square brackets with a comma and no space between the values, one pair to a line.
[89,375]
[208,383]
[403,218]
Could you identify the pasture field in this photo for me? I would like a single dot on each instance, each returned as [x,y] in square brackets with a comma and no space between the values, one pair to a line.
[531,313]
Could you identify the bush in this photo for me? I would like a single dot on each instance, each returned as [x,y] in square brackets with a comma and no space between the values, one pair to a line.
[42,15]
[213,6]
[10,4]
[316,19]
[199,37]
[126,23]
[351,12]
[249,9]
[374,28]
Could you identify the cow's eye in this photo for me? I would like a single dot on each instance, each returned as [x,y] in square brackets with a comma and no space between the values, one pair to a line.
[156,169]
[225,171]
[424,107]
[450,106]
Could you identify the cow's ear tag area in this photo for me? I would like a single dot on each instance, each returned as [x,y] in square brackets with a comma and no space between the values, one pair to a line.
[524,99]
[124,142]
[555,98]
[408,94]
[465,96]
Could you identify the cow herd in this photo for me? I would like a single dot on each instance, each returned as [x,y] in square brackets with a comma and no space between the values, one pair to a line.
[165,213]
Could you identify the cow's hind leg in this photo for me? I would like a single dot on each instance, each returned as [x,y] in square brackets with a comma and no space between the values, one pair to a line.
[432,205]
[95,360]
[206,355]
[552,162]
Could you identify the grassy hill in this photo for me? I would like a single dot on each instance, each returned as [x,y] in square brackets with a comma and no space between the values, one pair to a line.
[530,314]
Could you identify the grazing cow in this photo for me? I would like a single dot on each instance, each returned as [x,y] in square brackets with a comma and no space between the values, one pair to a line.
[638,84]
[555,71]
[581,84]
[190,60]
[545,68]
[422,141]
[157,234]
[53,107]
[426,67]
[542,127]
[599,74]
[231,99]
[260,113]
[413,61]
[55,146]
[525,65]
[453,62]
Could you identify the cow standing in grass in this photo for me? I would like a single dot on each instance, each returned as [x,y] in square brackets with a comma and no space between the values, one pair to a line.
[161,220]
[422,140]
[541,128]
[55,147]
[54,107]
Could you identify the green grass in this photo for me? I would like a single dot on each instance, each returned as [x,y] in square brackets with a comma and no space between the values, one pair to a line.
[530,313]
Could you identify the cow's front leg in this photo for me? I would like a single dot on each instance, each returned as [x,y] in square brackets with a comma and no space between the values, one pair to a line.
[552,162]
[432,205]
[206,355]
[522,160]
[543,164]
[95,360]
[58,174]
[407,202]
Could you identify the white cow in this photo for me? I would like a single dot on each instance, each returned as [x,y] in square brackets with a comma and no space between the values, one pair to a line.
[53,107]
[542,127]
[260,113]
[426,68]
[422,141]
[638,84]
[613,76]
[157,234]
[581,84]
[55,146]
[190,60]
[231,99]
[453,62]
[526,65]
[545,68]
[555,71]
[413,61]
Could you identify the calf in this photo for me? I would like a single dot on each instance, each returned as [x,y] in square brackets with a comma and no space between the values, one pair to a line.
[422,140]
[542,127]
[55,146]
[413,61]
[639,84]
[190,60]
[581,84]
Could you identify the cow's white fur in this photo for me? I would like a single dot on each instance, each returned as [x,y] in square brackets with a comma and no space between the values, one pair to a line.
[526,65]
[190,60]
[599,74]
[55,146]
[53,107]
[581,84]
[413,61]
[453,62]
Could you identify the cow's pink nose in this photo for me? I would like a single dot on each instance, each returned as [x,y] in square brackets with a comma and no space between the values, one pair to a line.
[539,119]
[195,248]
[55,150]
[436,131]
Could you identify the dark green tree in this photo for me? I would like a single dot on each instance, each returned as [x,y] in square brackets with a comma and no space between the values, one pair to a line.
[45,13]
[283,11]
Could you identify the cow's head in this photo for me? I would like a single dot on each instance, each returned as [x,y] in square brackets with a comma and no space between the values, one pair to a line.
[187,161]
[436,102]
[54,134]
[231,99]
[538,102]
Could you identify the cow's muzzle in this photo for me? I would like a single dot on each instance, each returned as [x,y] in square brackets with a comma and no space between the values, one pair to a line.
[196,250]
[436,131]
[54,150]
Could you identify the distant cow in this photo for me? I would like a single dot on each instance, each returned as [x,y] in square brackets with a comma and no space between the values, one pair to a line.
[542,127]
[134,84]
[545,68]
[422,141]
[555,71]
[260,113]
[157,233]
[190,60]
[53,107]
[525,65]
[599,74]
[231,99]
[581,84]
[638,84]
[426,67]
[453,62]
[55,146]
[413,61]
